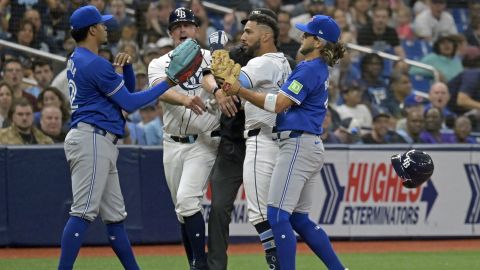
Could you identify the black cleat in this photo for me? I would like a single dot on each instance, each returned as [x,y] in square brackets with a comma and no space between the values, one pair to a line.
[272,261]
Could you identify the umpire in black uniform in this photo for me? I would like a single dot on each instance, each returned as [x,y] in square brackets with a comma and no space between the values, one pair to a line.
[227,173]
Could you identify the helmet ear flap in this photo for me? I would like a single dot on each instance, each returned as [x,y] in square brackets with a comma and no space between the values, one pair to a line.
[413,167]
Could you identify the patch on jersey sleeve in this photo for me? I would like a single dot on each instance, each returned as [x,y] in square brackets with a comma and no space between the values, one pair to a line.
[295,87]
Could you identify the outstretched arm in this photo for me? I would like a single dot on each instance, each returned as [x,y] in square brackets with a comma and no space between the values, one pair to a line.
[194,103]
[271,102]
[133,101]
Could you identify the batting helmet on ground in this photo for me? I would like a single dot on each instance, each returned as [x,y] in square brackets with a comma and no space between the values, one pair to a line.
[181,15]
[414,167]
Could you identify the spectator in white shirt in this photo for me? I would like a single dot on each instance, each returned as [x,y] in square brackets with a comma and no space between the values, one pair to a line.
[354,109]
[434,22]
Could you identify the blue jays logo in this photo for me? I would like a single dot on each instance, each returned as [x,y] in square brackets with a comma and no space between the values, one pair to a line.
[473,175]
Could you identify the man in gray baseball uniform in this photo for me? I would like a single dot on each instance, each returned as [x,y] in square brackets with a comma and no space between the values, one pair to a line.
[191,138]
[97,97]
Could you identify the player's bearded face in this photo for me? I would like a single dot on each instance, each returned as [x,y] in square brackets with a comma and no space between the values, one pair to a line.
[251,38]
[308,44]
[250,50]
[307,47]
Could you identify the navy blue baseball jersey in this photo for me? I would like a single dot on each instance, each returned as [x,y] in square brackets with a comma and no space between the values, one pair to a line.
[91,81]
[307,85]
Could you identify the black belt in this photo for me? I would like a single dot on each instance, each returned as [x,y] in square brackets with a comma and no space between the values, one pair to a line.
[193,138]
[185,139]
[255,132]
[100,131]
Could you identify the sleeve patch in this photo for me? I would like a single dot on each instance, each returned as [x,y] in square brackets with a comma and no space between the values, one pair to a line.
[295,87]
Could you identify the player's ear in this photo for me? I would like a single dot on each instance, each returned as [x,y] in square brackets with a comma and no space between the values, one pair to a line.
[265,36]
[319,43]
[92,29]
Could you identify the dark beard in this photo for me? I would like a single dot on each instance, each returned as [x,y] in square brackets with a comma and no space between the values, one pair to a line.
[239,55]
[250,51]
[307,50]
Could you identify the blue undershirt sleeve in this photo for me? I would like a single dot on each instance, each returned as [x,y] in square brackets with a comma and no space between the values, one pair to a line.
[129,77]
[133,101]
[244,81]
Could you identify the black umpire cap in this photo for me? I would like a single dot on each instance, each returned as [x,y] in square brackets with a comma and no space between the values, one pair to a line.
[414,167]
[182,15]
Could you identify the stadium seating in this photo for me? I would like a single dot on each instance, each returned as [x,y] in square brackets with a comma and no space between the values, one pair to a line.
[416,49]
[421,83]
[460,17]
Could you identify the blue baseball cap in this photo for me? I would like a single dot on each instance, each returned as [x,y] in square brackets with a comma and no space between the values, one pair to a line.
[321,26]
[414,100]
[86,16]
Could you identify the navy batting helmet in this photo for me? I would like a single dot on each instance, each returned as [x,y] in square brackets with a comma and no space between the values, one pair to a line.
[414,167]
[181,15]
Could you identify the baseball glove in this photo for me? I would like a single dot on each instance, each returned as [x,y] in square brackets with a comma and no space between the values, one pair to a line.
[226,70]
[185,61]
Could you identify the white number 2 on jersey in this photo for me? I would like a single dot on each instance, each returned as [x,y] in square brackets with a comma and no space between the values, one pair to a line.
[72,89]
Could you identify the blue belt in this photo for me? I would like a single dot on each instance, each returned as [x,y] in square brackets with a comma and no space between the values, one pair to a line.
[89,127]
[282,135]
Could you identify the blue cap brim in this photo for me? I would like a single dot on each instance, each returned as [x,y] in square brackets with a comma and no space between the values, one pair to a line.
[304,28]
[106,18]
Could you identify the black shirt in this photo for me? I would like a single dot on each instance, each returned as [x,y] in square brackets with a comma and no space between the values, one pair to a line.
[28,138]
[385,41]
[290,48]
[232,127]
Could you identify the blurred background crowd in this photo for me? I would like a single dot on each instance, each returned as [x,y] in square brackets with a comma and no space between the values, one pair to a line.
[373,99]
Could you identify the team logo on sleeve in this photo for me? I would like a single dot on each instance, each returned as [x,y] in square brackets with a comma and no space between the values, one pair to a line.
[295,87]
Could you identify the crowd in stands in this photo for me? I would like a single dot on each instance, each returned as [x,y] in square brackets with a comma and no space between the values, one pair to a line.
[372,100]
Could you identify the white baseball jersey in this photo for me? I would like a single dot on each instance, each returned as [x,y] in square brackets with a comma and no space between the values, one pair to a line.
[266,74]
[179,120]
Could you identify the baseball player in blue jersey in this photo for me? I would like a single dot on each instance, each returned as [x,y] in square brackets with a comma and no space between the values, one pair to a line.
[301,106]
[97,97]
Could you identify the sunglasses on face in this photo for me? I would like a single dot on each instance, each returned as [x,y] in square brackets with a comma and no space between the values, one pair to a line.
[307,35]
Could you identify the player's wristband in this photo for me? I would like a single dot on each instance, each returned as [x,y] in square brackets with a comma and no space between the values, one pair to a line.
[206,71]
[270,102]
